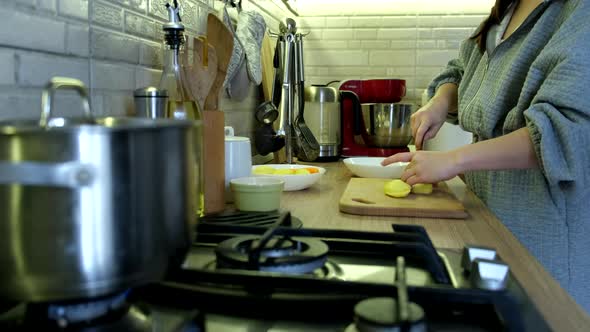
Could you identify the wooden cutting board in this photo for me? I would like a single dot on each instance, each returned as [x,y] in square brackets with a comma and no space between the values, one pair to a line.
[365,196]
[266,57]
[214,162]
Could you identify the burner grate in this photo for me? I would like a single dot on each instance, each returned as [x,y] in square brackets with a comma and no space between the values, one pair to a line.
[273,251]
[252,219]
[272,254]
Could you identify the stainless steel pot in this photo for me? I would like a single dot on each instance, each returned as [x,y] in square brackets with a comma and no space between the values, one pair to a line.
[91,206]
[387,124]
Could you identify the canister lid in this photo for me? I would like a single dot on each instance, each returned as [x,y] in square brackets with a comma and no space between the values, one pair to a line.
[321,94]
[236,139]
[150,91]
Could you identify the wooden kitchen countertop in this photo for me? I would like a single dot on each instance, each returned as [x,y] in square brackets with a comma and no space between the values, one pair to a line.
[317,207]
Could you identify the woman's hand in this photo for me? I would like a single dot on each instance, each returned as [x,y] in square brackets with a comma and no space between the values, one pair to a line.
[426,122]
[426,166]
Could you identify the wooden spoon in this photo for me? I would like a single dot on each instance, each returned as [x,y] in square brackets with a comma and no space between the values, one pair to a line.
[202,72]
[223,42]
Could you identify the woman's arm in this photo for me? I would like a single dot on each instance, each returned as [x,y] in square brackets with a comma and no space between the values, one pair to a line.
[447,94]
[511,151]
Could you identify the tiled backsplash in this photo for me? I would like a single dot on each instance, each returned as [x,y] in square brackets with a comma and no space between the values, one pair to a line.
[113,46]
[412,47]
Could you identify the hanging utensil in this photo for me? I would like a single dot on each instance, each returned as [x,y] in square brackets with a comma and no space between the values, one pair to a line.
[202,73]
[276,88]
[286,103]
[308,146]
[265,137]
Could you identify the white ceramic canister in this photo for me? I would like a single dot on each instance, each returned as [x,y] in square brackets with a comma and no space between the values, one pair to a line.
[238,159]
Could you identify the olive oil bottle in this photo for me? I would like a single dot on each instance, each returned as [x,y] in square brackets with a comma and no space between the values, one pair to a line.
[181,104]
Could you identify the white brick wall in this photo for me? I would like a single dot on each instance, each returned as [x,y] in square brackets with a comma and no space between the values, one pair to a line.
[413,47]
[77,40]
[7,68]
[74,8]
[114,46]
[34,70]
[25,30]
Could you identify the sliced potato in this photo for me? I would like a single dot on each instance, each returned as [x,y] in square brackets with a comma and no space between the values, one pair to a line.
[284,171]
[397,188]
[264,170]
[422,188]
[302,171]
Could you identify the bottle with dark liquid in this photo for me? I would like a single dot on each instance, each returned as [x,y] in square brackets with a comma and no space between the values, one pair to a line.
[181,104]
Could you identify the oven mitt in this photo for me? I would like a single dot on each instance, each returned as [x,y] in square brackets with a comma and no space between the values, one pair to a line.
[250,32]
[238,56]
[236,82]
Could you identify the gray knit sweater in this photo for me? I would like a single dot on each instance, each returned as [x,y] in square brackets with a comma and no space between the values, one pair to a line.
[539,77]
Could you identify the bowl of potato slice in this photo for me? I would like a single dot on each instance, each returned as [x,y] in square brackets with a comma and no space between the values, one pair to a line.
[296,177]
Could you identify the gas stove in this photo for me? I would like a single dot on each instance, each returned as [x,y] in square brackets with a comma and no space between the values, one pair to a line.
[276,275]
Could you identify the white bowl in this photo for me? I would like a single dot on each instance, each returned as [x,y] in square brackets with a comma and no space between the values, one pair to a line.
[294,182]
[370,167]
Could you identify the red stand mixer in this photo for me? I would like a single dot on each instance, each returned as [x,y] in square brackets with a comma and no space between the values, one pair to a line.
[374,123]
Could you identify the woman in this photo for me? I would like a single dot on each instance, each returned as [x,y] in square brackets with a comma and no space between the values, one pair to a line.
[521,85]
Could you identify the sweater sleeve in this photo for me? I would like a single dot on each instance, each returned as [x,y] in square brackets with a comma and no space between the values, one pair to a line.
[559,116]
[452,73]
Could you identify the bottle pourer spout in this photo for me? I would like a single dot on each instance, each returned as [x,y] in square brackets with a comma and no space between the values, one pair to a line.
[173,18]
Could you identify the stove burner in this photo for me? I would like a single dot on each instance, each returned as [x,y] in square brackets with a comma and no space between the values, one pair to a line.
[272,254]
[381,314]
[385,314]
[111,313]
[65,314]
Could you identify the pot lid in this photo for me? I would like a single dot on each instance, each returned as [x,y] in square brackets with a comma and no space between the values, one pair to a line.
[99,124]
[321,94]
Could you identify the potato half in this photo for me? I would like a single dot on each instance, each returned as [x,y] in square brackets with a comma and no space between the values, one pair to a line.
[422,188]
[397,188]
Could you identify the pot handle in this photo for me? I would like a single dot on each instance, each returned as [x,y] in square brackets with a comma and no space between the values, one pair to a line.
[62,83]
[69,174]
[357,115]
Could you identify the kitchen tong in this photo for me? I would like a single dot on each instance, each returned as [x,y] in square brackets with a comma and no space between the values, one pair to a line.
[299,140]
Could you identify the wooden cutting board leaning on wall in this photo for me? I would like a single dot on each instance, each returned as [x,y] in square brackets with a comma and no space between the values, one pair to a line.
[365,196]
[266,55]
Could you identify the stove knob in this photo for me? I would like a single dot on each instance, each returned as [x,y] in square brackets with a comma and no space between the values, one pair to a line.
[489,274]
[471,253]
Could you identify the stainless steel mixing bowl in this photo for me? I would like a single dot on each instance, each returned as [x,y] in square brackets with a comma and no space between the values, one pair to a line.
[387,124]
